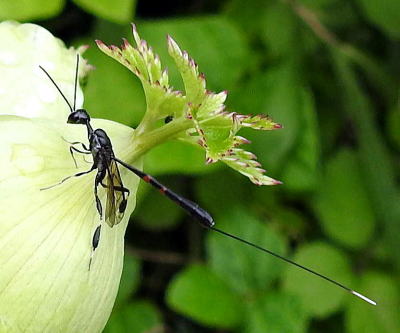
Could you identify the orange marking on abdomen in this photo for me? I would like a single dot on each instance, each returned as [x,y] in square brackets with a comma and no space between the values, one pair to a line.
[147,179]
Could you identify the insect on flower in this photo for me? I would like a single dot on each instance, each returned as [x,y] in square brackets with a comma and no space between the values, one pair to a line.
[105,162]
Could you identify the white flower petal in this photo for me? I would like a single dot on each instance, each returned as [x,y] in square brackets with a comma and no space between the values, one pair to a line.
[24,89]
[45,236]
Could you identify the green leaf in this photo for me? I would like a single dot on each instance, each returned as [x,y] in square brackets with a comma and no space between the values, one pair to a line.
[379,250]
[383,13]
[244,162]
[217,129]
[319,297]
[302,172]
[336,14]
[161,100]
[277,93]
[137,317]
[259,122]
[280,29]
[195,84]
[122,101]
[342,204]
[393,125]
[376,162]
[130,278]
[289,221]
[177,157]
[118,11]
[249,17]
[201,295]
[206,38]
[220,191]
[244,268]
[276,312]
[384,318]
[198,116]
[26,10]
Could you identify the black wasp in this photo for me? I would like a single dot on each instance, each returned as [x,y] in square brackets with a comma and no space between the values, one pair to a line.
[105,162]
[108,175]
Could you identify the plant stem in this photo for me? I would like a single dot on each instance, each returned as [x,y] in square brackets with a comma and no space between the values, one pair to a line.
[142,141]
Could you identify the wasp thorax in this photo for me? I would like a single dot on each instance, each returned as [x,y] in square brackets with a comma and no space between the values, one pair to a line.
[79,116]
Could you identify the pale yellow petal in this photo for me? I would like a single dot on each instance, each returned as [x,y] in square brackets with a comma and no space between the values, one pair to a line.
[45,236]
[24,89]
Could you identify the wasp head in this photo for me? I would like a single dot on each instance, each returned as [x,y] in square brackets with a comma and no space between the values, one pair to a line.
[79,116]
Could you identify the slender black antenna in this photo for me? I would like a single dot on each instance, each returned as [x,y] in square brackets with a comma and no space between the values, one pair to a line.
[59,90]
[206,220]
[294,263]
[76,79]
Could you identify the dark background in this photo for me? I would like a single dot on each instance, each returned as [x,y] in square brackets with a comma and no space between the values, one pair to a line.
[328,71]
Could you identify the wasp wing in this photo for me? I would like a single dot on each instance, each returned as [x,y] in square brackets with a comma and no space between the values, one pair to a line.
[116,195]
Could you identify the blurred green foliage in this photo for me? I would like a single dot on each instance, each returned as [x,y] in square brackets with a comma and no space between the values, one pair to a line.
[328,70]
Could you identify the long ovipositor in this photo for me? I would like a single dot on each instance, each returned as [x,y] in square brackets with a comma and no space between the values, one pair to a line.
[101,149]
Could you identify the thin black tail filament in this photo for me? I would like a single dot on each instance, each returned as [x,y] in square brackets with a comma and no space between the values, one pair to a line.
[293,263]
[280,257]
[205,219]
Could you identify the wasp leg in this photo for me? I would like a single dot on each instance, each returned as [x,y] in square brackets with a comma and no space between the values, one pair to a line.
[99,178]
[123,190]
[72,149]
[76,143]
[117,188]
[65,179]
[95,243]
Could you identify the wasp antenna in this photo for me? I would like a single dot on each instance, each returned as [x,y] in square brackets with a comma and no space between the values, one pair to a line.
[294,263]
[59,90]
[76,79]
